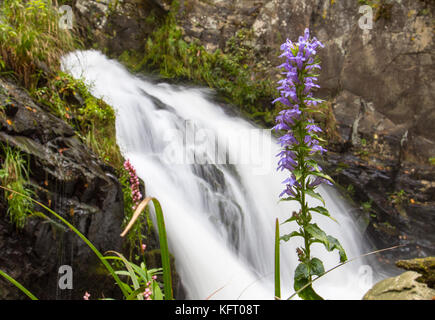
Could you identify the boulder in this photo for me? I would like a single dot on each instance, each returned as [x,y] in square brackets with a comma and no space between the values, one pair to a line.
[402,287]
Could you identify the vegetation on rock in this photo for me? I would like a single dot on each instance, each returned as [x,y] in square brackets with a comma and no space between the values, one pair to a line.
[31,41]
[172,57]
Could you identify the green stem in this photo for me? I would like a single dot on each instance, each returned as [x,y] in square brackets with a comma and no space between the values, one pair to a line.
[277,263]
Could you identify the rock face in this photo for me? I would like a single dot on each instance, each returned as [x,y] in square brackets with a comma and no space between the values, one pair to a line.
[403,287]
[73,182]
[117,26]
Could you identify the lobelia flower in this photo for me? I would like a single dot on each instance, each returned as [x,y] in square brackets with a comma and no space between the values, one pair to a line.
[296,95]
[300,141]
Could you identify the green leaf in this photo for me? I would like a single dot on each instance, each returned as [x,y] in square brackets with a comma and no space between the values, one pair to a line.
[316,267]
[322,175]
[329,242]
[292,218]
[18,285]
[131,272]
[317,233]
[315,195]
[313,164]
[287,237]
[308,293]
[302,271]
[289,199]
[157,292]
[167,277]
[322,211]
[301,278]
[335,244]
[297,173]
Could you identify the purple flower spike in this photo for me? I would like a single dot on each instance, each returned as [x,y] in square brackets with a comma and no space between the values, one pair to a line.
[296,95]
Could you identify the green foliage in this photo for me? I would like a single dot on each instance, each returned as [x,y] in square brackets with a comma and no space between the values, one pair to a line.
[304,272]
[14,174]
[30,38]
[141,278]
[432,161]
[169,55]
[139,275]
[92,118]
[164,250]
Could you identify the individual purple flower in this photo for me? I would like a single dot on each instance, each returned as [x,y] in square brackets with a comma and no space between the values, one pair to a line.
[312,127]
[317,181]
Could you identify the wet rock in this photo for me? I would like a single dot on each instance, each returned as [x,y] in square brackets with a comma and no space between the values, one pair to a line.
[403,287]
[397,205]
[70,179]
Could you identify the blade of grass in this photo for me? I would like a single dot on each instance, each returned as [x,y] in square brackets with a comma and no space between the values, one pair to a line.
[130,271]
[93,248]
[18,285]
[164,250]
[277,263]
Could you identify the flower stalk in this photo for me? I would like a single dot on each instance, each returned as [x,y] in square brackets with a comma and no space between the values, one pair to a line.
[300,142]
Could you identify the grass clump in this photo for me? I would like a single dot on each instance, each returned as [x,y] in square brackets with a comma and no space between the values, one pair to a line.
[31,40]
[14,174]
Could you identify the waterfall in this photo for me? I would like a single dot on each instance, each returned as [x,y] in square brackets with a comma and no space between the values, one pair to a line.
[215,176]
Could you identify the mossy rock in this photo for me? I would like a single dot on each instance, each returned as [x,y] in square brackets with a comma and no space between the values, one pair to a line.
[424,266]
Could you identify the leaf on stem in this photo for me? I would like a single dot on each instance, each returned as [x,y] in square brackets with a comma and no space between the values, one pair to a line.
[322,211]
[329,242]
[287,237]
[302,278]
[315,195]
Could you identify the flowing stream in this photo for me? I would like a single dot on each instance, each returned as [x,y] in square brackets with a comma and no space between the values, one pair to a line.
[215,176]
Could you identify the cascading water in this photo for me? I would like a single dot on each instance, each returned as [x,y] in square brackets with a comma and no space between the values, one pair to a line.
[220,203]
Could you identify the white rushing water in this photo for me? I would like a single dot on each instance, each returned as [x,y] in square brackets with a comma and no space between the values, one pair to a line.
[219,217]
